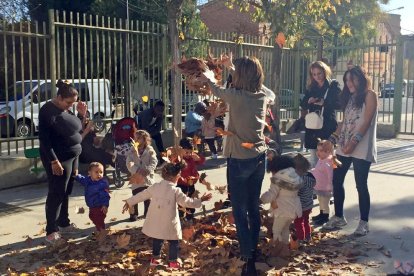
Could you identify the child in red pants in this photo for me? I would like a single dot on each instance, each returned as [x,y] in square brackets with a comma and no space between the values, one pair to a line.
[96,194]
[302,226]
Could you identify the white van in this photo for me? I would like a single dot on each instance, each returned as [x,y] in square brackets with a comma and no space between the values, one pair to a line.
[23,110]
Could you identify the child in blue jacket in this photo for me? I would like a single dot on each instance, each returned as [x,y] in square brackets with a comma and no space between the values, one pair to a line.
[96,194]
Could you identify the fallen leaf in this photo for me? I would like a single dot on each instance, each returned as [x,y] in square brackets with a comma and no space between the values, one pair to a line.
[188,233]
[221,189]
[123,240]
[247,145]
[79,210]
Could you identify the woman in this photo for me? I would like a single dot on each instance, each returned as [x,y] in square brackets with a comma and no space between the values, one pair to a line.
[356,138]
[321,93]
[246,164]
[60,147]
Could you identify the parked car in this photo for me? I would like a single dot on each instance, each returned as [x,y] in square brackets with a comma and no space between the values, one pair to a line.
[388,91]
[24,100]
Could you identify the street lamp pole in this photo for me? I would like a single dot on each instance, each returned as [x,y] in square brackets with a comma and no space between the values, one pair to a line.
[399,8]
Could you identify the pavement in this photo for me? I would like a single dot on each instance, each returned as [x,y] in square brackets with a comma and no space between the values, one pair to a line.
[22,212]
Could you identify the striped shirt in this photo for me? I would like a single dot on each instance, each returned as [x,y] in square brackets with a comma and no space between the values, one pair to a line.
[306,192]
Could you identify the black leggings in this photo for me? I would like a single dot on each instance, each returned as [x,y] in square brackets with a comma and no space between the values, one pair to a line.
[60,187]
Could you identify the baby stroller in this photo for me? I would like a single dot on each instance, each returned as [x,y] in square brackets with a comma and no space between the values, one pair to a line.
[122,133]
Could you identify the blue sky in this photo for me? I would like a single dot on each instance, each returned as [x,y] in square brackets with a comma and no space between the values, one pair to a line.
[407,23]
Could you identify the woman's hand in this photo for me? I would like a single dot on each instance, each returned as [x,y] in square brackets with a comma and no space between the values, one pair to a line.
[206,197]
[57,168]
[82,108]
[349,146]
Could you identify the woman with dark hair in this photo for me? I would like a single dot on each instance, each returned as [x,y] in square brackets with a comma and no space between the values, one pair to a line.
[60,147]
[321,96]
[356,140]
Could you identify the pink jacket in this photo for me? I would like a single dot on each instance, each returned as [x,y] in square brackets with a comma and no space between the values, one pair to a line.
[323,173]
[208,128]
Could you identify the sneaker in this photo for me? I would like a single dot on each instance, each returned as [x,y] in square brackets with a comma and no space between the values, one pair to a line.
[54,238]
[174,265]
[214,156]
[318,217]
[133,218]
[334,222]
[362,228]
[324,218]
[155,262]
[72,228]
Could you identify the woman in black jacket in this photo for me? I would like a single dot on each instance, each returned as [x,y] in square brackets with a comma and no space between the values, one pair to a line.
[318,84]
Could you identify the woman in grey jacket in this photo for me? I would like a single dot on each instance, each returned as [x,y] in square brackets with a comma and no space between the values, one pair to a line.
[244,149]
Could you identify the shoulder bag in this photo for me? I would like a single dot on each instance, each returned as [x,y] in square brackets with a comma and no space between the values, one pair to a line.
[314,120]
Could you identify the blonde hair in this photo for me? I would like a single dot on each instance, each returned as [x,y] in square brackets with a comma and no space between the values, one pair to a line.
[145,134]
[248,74]
[328,147]
[317,65]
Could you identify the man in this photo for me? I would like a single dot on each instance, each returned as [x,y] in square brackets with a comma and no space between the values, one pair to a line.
[151,121]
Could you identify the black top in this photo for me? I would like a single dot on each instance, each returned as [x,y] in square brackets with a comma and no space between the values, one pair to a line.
[59,133]
[144,122]
[329,116]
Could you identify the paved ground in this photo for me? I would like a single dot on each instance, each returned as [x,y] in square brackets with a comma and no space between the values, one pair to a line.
[392,207]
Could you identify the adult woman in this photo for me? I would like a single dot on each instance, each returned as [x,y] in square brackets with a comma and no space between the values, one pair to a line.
[246,164]
[321,94]
[356,138]
[60,146]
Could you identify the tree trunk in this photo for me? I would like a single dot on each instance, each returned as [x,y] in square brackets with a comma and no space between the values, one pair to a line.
[174,12]
[275,86]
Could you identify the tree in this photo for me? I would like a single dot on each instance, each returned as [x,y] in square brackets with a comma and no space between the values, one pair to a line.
[38,9]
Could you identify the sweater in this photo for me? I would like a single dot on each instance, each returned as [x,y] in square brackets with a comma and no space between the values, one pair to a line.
[190,170]
[306,192]
[323,173]
[147,160]
[96,192]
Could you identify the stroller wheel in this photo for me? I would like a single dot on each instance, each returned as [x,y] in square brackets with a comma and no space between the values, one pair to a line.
[118,181]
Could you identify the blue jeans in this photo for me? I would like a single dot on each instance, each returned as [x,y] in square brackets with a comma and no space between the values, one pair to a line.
[245,177]
[172,250]
[361,170]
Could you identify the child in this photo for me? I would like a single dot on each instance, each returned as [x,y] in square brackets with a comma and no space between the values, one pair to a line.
[323,173]
[189,175]
[96,194]
[302,227]
[283,191]
[141,162]
[208,130]
[162,222]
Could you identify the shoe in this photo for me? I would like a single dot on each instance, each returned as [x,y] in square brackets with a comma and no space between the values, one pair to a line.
[70,229]
[317,217]
[324,218]
[362,228]
[174,265]
[133,218]
[214,156]
[155,261]
[54,238]
[226,204]
[249,268]
[334,222]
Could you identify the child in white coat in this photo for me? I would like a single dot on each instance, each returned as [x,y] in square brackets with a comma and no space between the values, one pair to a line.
[283,194]
[141,162]
[162,221]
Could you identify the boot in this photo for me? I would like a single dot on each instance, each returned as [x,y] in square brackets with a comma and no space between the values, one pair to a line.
[323,219]
[318,217]
[249,268]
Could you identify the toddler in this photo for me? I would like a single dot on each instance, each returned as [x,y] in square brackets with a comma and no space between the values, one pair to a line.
[323,173]
[162,222]
[189,175]
[141,162]
[283,194]
[208,130]
[96,194]
[302,226]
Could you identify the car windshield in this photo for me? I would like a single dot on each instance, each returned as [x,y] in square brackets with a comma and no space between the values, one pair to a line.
[17,90]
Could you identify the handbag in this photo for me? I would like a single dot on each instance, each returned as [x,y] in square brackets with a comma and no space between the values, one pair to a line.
[314,120]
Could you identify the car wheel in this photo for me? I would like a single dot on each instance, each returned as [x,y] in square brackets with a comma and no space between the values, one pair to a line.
[23,128]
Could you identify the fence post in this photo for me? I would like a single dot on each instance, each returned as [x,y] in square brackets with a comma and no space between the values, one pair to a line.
[297,83]
[165,82]
[52,51]
[398,84]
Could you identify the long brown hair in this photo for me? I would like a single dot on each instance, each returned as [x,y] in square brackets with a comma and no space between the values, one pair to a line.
[364,84]
[310,82]
[248,74]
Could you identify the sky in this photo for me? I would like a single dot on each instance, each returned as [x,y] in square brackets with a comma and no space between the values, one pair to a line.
[407,24]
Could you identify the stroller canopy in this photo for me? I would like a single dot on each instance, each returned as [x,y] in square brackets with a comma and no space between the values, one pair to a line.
[124,130]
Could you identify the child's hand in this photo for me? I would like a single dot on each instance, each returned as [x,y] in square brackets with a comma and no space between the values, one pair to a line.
[131,164]
[104,209]
[273,204]
[206,197]
[143,172]
[125,207]
[137,178]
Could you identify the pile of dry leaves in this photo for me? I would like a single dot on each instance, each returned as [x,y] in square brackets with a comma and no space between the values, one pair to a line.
[209,247]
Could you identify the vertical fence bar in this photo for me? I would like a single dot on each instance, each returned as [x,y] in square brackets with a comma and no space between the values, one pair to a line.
[52,51]
[399,68]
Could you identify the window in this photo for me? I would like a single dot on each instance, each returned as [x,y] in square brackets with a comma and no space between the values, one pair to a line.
[44,93]
[83,91]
